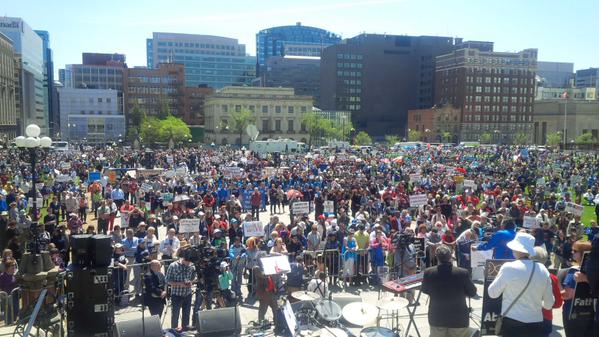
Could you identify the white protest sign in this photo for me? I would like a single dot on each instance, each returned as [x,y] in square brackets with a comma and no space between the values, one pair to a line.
[181,171]
[469,184]
[418,200]
[329,206]
[189,225]
[530,222]
[268,172]
[541,181]
[232,172]
[146,187]
[124,219]
[574,208]
[39,186]
[62,178]
[301,207]
[478,258]
[170,173]
[253,228]
[39,202]
[415,177]
[169,159]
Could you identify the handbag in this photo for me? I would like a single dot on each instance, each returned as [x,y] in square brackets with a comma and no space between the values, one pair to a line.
[499,321]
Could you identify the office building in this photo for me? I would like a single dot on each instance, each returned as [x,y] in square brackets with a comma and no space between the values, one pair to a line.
[341,119]
[580,117]
[97,71]
[494,90]
[302,73]
[90,115]
[8,88]
[213,61]
[53,117]
[577,94]
[277,114]
[555,74]
[155,91]
[28,47]
[295,40]
[586,78]
[437,124]
[378,78]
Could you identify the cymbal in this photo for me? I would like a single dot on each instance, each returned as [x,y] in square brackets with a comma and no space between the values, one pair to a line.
[305,295]
[359,313]
[392,303]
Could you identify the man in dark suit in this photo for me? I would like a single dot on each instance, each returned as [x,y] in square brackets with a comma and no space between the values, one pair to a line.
[447,287]
[155,294]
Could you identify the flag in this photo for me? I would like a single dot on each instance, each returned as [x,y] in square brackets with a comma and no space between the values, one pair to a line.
[565,95]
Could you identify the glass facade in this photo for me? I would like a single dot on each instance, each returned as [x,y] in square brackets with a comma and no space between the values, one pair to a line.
[295,40]
[208,60]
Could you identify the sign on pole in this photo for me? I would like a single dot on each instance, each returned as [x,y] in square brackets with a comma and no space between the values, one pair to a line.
[574,208]
[189,225]
[469,184]
[530,222]
[329,206]
[301,207]
[417,200]
[491,306]
[253,228]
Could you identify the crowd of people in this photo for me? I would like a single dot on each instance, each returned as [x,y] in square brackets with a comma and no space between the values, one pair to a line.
[362,204]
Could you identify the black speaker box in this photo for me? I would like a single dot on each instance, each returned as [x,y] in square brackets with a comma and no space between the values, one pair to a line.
[217,322]
[80,246]
[133,328]
[88,283]
[101,250]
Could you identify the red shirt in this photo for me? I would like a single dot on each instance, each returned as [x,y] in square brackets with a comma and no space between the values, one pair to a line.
[256,199]
[557,295]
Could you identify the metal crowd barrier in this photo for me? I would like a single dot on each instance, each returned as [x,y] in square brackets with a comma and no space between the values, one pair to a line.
[9,306]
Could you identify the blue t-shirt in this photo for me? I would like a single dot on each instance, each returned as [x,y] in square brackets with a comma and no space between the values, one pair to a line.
[569,282]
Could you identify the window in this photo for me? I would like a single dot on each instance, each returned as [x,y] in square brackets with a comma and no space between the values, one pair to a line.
[290,109]
[278,125]
[290,125]
[304,109]
[265,109]
[108,100]
[224,108]
[479,89]
[265,125]
[252,108]
[278,109]
[238,108]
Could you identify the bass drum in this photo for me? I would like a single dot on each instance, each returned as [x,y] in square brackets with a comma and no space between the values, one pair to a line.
[377,332]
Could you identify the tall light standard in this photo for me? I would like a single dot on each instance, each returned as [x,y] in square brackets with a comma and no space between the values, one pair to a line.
[34,146]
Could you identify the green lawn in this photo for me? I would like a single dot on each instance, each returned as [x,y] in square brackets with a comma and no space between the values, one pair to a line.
[588,215]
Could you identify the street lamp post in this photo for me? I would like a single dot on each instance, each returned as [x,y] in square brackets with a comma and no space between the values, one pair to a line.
[34,146]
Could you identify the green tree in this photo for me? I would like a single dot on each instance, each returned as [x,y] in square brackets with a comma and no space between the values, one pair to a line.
[173,128]
[446,136]
[553,139]
[585,138]
[362,138]
[414,135]
[165,108]
[313,124]
[485,138]
[241,120]
[520,138]
[391,139]
[136,116]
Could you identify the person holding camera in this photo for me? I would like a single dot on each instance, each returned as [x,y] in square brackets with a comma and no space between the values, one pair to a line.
[180,276]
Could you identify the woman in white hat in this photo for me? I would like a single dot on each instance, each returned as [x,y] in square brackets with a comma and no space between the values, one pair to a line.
[526,289]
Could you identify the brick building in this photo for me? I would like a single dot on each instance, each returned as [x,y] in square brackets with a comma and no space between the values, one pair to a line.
[437,124]
[494,90]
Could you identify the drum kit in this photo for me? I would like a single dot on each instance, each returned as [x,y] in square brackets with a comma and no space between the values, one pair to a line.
[321,317]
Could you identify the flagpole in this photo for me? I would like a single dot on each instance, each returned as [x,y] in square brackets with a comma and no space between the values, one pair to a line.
[565,117]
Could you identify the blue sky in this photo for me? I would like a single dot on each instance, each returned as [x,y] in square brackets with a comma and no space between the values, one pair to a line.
[562,30]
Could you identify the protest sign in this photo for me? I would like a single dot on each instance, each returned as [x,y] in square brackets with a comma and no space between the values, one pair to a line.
[232,172]
[415,177]
[63,178]
[417,200]
[582,309]
[469,184]
[491,306]
[541,181]
[253,228]
[181,171]
[273,265]
[39,202]
[189,225]
[268,172]
[168,197]
[39,186]
[124,219]
[170,159]
[329,206]
[574,208]
[65,165]
[301,207]
[478,258]
[94,176]
[145,187]
[530,222]
[112,176]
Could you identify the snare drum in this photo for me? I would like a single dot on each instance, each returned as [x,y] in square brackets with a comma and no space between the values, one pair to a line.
[328,311]
[377,332]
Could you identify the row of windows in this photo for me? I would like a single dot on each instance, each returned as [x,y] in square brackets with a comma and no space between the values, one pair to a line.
[352,82]
[489,127]
[152,90]
[497,99]
[341,73]
[499,61]
[498,90]
[265,108]
[494,108]
[349,65]
[91,100]
[195,45]
[349,57]
[503,71]
[496,118]
[199,52]
[153,79]
[95,112]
